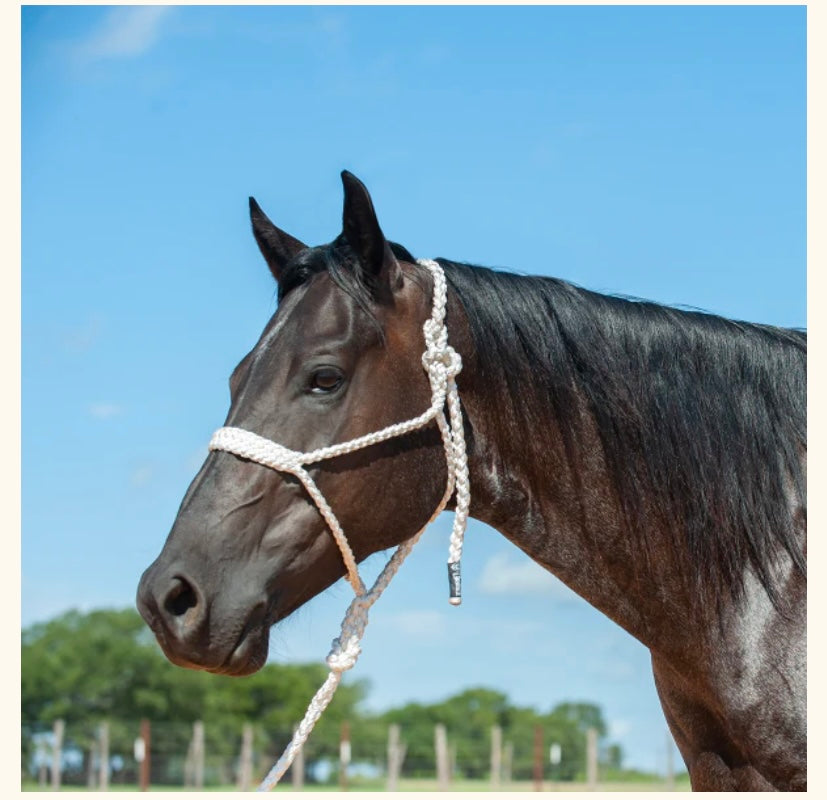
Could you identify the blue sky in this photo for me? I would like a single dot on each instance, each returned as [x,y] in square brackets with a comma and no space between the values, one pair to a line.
[650,151]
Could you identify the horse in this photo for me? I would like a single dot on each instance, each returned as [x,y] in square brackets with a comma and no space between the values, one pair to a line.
[652,458]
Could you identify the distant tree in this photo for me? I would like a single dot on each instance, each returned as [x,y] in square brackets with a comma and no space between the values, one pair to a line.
[85,668]
[583,715]
[106,665]
[416,722]
[568,723]
[469,717]
[614,756]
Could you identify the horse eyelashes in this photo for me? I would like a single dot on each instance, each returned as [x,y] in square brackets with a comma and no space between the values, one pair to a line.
[326,380]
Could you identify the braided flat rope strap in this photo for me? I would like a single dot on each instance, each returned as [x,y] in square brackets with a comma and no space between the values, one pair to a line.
[442,364]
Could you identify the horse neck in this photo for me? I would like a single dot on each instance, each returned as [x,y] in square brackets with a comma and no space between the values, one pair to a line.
[647,456]
[558,503]
[570,523]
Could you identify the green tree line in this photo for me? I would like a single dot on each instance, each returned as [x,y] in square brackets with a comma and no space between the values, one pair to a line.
[86,668]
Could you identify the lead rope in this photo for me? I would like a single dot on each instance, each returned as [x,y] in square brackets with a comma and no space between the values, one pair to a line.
[442,363]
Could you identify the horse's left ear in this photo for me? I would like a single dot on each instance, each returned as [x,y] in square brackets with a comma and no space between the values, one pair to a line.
[276,246]
[362,232]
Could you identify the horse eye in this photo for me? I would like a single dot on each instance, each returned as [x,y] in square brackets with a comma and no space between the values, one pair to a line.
[325,380]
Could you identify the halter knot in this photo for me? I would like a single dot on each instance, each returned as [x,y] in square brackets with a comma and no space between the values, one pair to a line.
[340,659]
[438,353]
[446,358]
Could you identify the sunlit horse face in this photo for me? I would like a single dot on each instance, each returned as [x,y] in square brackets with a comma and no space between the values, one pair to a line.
[248,545]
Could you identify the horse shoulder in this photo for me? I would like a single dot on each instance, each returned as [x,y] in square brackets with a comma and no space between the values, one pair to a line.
[738,712]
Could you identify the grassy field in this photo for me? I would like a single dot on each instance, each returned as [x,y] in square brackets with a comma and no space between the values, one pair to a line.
[422,785]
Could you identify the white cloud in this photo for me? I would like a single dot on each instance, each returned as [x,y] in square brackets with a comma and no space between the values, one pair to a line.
[503,574]
[105,410]
[427,625]
[125,31]
[141,476]
[619,728]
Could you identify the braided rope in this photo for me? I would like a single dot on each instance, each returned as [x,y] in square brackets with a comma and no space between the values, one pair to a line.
[442,364]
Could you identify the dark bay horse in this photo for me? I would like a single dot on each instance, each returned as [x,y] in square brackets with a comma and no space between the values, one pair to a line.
[653,459]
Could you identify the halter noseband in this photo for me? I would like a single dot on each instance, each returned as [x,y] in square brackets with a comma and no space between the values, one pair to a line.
[442,364]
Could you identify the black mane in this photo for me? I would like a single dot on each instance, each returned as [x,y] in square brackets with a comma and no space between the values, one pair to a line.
[715,410]
[701,418]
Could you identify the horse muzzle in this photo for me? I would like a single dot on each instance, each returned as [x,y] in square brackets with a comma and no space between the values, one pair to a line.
[197,634]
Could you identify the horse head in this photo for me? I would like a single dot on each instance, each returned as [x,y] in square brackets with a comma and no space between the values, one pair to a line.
[341,357]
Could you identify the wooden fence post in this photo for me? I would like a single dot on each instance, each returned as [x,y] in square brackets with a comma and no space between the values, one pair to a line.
[57,753]
[396,755]
[344,755]
[496,756]
[508,761]
[538,758]
[591,758]
[441,747]
[198,754]
[90,765]
[297,767]
[245,760]
[103,767]
[145,738]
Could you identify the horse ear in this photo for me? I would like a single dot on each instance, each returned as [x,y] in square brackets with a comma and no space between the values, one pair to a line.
[276,246]
[362,232]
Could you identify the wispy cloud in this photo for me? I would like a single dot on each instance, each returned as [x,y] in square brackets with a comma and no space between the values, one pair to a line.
[141,476]
[125,31]
[105,410]
[618,728]
[424,625]
[82,337]
[504,574]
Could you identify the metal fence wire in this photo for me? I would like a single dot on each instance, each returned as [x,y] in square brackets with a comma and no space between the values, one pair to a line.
[133,753]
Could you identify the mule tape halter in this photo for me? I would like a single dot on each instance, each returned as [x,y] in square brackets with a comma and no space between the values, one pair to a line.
[442,364]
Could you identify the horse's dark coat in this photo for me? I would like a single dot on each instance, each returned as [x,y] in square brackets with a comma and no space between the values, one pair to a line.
[652,458]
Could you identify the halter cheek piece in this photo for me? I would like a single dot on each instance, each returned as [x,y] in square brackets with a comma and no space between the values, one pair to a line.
[442,364]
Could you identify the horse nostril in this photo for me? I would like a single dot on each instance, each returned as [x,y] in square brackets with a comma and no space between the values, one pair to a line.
[180,598]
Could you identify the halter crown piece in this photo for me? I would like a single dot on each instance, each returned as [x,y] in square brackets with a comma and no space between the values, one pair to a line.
[442,364]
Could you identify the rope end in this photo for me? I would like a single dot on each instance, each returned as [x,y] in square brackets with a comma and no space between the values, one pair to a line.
[454,584]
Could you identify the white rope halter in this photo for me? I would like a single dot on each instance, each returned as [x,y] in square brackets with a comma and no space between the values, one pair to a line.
[442,363]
